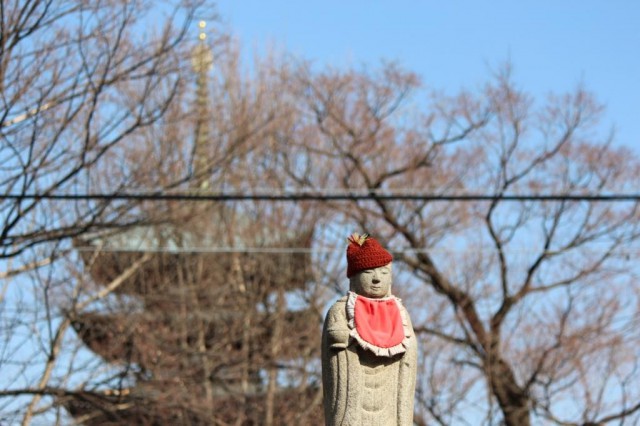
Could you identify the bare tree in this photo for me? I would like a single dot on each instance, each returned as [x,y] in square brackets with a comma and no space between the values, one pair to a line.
[76,79]
[526,310]
[213,319]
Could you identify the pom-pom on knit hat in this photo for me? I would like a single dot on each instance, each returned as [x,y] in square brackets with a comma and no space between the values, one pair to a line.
[364,252]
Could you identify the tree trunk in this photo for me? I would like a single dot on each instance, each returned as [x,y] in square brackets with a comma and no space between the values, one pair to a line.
[512,399]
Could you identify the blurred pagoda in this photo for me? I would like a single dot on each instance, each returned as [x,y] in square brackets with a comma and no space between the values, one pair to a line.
[200,337]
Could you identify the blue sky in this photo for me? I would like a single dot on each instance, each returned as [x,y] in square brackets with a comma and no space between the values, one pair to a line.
[553,45]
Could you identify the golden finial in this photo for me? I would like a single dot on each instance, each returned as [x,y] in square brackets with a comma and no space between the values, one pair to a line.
[202,58]
[202,25]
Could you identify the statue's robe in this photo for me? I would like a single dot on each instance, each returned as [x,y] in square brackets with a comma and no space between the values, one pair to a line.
[361,387]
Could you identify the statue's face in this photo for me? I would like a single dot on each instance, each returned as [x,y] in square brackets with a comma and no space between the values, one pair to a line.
[374,283]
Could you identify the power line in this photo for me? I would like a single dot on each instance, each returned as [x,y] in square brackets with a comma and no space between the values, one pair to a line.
[320,196]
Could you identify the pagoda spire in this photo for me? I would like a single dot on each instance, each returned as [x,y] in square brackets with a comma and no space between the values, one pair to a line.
[202,62]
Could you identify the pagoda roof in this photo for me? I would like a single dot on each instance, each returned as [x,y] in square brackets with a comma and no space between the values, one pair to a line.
[157,343]
[134,407]
[108,255]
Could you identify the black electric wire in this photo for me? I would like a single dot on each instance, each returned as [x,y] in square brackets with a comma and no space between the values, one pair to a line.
[319,196]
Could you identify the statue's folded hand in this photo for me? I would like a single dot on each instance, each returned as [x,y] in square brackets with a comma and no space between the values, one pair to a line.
[338,338]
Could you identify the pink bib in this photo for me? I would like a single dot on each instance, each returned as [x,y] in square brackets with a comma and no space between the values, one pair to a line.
[377,324]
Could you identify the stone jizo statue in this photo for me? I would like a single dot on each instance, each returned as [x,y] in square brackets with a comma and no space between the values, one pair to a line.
[369,350]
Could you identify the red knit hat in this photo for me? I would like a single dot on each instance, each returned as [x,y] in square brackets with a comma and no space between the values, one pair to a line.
[364,252]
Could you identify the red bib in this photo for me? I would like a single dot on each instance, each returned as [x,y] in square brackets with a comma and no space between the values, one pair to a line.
[378,321]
